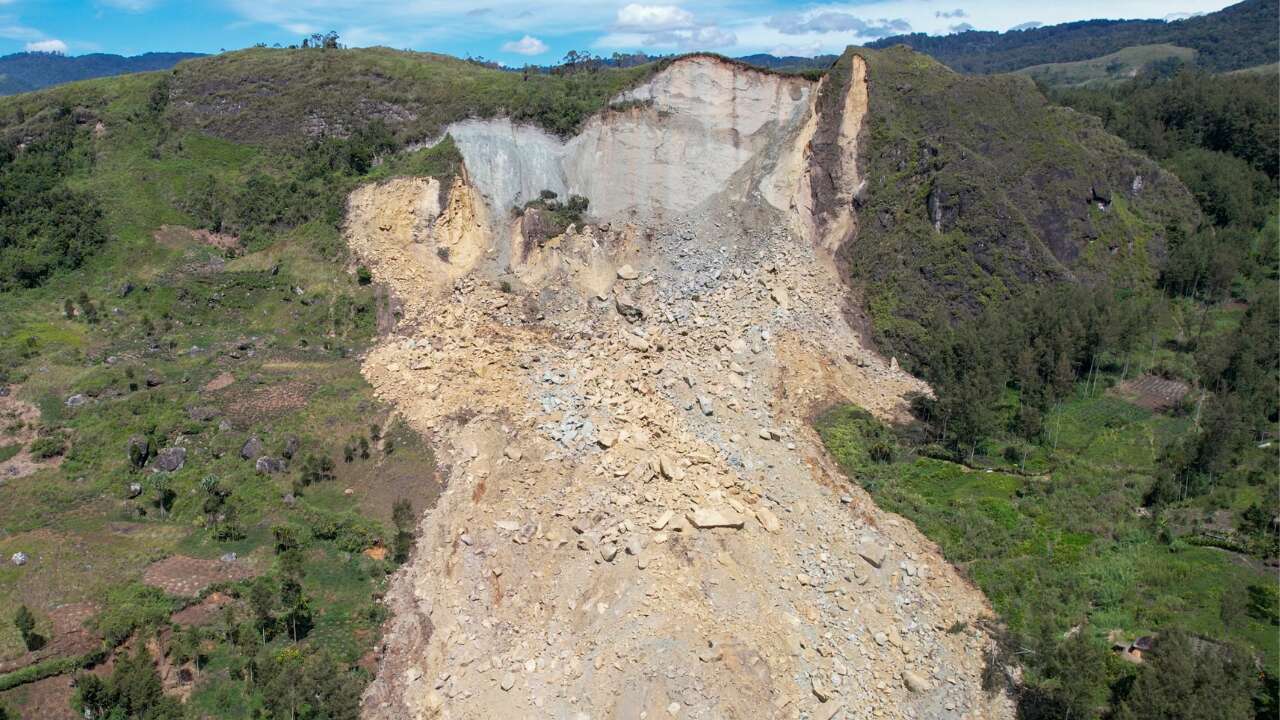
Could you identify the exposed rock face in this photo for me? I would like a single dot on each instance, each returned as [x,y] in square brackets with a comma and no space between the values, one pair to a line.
[619,537]
[679,140]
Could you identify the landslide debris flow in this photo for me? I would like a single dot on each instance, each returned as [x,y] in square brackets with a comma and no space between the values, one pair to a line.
[639,521]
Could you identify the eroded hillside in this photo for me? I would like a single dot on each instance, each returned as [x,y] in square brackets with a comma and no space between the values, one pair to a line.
[639,521]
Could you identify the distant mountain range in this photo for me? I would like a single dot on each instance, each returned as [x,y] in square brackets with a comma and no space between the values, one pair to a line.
[23,72]
[1244,35]
[1236,37]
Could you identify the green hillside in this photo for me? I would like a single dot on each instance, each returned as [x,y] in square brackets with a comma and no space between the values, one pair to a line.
[981,189]
[203,300]
[1100,459]
[1242,35]
[1120,65]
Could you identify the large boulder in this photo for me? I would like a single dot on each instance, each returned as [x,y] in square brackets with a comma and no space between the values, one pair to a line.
[269,465]
[202,413]
[170,459]
[252,449]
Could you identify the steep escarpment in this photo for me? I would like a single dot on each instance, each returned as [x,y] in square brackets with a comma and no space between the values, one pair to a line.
[639,520]
[978,189]
[663,147]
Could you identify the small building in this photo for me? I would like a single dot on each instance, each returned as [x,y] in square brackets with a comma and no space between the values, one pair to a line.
[1131,651]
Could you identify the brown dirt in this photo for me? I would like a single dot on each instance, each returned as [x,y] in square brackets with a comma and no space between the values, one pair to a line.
[177,236]
[47,699]
[69,636]
[1152,392]
[222,380]
[205,612]
[19,421]
[185,576]
[265,402]
[503,586]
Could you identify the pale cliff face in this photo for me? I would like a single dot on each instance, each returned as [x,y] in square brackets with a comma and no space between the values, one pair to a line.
[679,140]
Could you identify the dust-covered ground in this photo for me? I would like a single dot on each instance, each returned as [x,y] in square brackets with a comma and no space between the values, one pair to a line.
[639,521]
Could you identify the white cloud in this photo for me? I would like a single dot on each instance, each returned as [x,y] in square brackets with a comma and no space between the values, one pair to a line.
[51,45]
[736,27]
[527,45]
[14,31]
[826,21]
[664,28]
[653,18]
[135,6]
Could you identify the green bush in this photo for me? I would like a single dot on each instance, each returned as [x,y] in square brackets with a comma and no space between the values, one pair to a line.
[48,446]
[130,608]
[45,226]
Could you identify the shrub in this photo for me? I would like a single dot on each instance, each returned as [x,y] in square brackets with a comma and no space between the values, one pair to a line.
[316,469]
[130,608]
[48,446]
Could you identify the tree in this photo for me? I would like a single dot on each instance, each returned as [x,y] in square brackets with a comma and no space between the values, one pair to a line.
[25,621]
[286,538]
[1071,681]
[133,691]
[162,492]
[297,607]
[1191,679]
[185,647]
[316,469]
[303,685]
[262,604]
[402,518]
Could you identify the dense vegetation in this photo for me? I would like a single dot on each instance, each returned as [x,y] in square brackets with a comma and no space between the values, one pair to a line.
[981,190]
[45,225]
[193,391]
[282,95]
[1240,36]
[1089,520]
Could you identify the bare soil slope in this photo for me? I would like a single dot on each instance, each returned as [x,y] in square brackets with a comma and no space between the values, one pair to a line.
[639,521]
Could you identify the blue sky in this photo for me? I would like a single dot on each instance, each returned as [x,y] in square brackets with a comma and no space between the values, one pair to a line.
[520,31]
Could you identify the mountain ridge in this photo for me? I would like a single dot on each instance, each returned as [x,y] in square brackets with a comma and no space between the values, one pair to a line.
[1238,36]
[27,71]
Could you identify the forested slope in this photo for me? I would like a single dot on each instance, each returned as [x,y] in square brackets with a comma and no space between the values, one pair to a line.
[1240,36]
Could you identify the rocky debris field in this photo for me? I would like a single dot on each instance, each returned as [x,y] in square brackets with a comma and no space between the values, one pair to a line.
[639,522]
